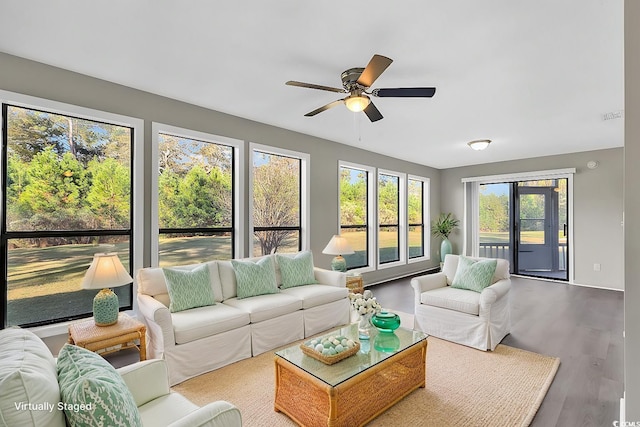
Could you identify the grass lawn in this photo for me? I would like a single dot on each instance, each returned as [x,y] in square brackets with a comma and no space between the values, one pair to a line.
[35,272]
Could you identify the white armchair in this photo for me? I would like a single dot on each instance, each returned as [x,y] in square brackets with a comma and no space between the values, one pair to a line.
[29,376]
[479,320]
[159,406]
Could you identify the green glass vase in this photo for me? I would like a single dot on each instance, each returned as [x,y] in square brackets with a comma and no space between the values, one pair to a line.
[386,321]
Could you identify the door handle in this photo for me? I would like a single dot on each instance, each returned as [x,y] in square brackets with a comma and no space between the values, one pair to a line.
[564,230]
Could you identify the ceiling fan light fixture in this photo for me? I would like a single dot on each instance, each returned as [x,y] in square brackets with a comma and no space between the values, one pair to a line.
[357,103]
[479,144]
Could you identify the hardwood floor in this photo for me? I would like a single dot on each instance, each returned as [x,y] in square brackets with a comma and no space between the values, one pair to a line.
[582,326]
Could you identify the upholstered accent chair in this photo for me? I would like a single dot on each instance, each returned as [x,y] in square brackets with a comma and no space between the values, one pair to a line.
[80,388]
[479,319]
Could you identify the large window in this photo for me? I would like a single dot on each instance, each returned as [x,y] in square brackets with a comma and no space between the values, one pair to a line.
[279,202]
[355,213]
[390,217]
[67,194]
[196,195]
[417,196]
[386,211]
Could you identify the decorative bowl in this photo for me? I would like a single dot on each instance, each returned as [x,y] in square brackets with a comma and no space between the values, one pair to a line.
[386,321]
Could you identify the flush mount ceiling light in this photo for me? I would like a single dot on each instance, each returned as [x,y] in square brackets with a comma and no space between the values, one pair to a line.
[357,103]
[479,144]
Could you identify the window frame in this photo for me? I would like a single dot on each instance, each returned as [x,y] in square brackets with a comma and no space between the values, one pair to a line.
[402,219]
[56,326]
[426,220]
[305,191]
[371,214]
[237,233]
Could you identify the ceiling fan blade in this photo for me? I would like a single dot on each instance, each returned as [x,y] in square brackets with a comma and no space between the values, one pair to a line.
[376,66]
[405,92]
[372,112]
[324,108]
[313,86]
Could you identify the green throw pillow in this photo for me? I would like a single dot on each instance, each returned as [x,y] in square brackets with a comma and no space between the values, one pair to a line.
[296,271]
[255,278]
[189,288]
[474,275]
[92,392]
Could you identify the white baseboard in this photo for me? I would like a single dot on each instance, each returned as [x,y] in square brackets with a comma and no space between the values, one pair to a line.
[545,279]
[403,276]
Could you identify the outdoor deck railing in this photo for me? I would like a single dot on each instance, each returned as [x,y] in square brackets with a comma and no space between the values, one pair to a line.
[503,250]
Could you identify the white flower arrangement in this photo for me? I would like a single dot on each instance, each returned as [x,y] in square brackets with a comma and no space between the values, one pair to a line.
[365,303]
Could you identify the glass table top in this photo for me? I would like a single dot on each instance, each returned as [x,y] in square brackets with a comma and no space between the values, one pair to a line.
[379,347]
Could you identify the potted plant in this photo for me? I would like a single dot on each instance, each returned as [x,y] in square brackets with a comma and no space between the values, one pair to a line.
[442,228]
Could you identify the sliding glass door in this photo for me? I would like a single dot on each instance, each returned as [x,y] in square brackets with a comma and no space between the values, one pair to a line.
[526,222]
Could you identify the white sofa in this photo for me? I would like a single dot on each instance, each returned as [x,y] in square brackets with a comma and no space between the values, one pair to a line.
[31,396]
[476,319]
[202,339]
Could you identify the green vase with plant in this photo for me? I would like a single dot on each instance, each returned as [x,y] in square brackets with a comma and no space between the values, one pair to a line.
[442,228]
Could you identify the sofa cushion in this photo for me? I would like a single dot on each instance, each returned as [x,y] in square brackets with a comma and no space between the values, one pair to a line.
[151,281]
[265,307]
[473,274]
[450,298]
[93,391]
[315,295]
[255,278]
[189,289]
[29,392]
[202,322]
[296,270]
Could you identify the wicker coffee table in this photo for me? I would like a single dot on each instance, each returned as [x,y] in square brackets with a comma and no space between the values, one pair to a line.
[355,390]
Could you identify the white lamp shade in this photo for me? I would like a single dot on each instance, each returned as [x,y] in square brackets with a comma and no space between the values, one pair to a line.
[357,103]
[338,245]
[105,271]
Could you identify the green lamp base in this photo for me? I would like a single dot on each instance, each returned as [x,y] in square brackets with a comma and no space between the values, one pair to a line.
[105,308]
[339,264]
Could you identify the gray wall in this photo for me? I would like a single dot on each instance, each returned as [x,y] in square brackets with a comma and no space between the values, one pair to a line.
[31,78]
[632,209]
[597,198]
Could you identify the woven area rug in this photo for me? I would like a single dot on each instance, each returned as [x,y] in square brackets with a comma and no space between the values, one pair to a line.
[465,387]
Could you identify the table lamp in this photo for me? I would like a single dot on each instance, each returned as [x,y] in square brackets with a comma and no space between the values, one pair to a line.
[338,246]
[106,271]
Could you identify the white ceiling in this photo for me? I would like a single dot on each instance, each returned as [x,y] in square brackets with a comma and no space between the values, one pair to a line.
[536,77]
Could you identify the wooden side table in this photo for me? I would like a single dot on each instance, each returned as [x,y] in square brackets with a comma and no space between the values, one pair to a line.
[109,339]
[355,284]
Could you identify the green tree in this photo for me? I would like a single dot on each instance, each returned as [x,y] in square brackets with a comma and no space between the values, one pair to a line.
[388,199]
[414,202]
[198,202]
[52,183]
[109,194]
[353,197]
[30,132]
[494,212]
